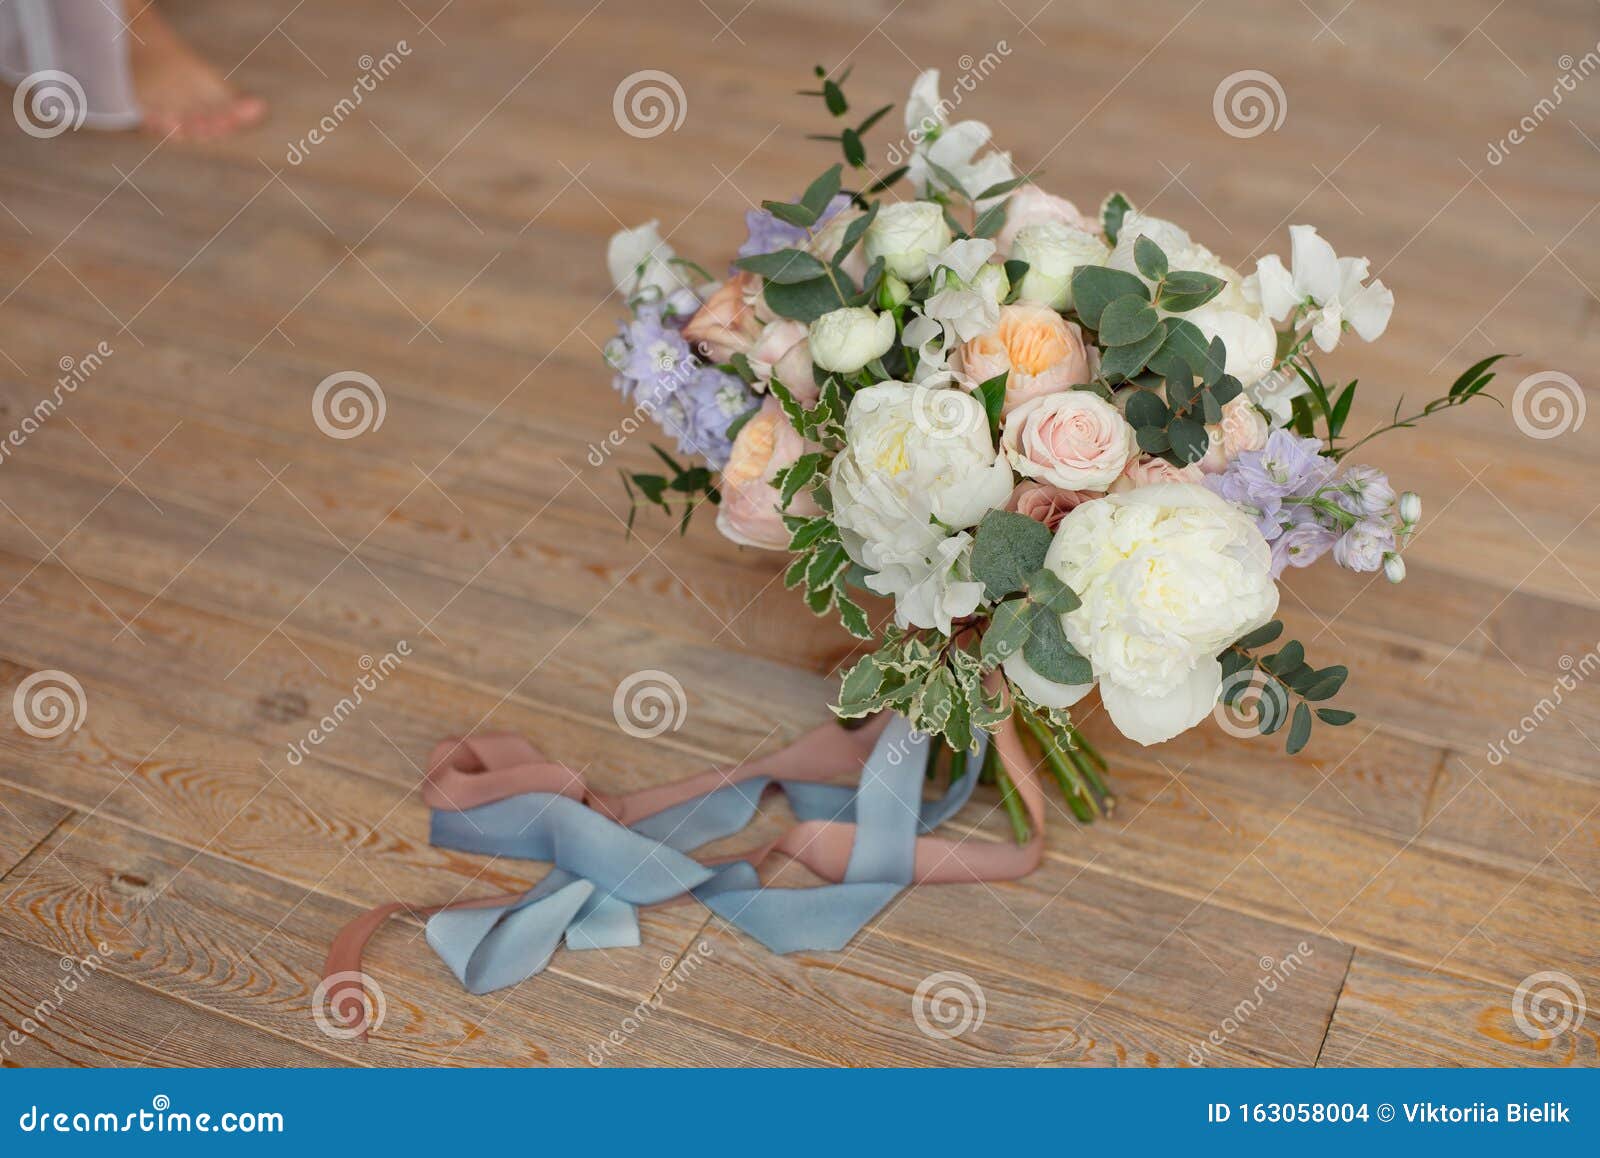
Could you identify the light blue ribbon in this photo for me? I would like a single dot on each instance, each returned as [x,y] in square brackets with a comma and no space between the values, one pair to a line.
[601,871]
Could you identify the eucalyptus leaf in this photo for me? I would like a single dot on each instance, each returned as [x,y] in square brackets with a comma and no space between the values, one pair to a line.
[1094,287]
[1006,549]
[1050,653]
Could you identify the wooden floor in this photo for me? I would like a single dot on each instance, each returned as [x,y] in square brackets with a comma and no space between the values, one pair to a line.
[181,539]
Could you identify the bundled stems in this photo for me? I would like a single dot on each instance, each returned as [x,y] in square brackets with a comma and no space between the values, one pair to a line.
[1021,829]
[1075,770]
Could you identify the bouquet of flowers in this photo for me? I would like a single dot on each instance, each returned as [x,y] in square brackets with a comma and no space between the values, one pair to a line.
[1073,450]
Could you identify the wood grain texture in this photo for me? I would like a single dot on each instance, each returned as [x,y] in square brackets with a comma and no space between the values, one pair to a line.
[181,538]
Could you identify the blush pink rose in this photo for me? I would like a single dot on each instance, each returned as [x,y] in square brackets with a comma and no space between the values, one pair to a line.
[1147,469]
[727,324]
[1074,440]
[1044,503]
[1043,352]
[748,513]
[782,352]
[1031,205]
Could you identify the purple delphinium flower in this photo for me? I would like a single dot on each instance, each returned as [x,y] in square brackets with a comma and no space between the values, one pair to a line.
[768,234]
[651,358]
[1363,546]
[1300,543]
[701,411]
[1364,490]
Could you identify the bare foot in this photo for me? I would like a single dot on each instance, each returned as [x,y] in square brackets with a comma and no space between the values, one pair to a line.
[180,93]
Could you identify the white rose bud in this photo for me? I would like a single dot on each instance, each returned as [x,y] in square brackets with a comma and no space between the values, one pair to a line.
[847,339]
[893,292]
[905,235]
[1410,510]
[1052,251]
[1394,568]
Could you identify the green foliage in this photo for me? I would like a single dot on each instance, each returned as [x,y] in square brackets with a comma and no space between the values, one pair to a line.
[1006,550]
[1470,384]
[1282,678]
[692,484]
[935,682]
[849,137]
[1115,208]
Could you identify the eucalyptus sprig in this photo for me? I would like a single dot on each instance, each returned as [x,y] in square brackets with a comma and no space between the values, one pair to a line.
[1281,678]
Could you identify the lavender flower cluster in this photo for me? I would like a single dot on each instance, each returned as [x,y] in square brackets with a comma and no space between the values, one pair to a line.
[1304,507]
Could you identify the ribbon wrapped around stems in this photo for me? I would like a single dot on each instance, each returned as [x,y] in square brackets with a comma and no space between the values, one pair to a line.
[497,795]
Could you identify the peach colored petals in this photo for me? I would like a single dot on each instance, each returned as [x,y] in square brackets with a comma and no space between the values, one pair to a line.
[1031,205]
[748,513]
[1042,350]
[727,324]
[1147,470]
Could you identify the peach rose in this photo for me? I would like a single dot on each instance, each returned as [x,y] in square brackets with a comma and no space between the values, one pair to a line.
[1042,350]
[1242,428]
[1031,205]
[1044,503]
[748,513]
[781,352]
[1147,469]
[726,325]
[1074,440]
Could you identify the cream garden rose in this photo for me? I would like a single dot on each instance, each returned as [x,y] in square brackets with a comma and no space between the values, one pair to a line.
[1041,351]
[1053,250]
[845,340]
[906,234]
[1074,440]
[1168,576]
[750,512]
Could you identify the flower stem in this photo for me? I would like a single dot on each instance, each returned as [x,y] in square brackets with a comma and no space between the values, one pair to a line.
[1020,828]
[1073,789]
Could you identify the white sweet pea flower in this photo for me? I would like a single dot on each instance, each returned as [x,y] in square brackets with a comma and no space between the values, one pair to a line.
[952,148]
[967,303]
[1335,288]
[931,589]
[640,263]
[1168,575]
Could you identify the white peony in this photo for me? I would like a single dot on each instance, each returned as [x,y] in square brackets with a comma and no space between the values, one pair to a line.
[906,234]
[1053,250]
[640,263]
[1168,575]
[845,340]
[917,465]
[1044,692]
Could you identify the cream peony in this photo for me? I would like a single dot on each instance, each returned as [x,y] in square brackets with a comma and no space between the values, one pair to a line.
[917,465]
[1168,575]
[906,234]
[1053,250]
[845,340]
[1074,440]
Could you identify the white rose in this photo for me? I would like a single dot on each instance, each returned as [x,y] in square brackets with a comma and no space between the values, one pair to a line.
[917,464]
[1053,250]
[906,234]
[640,263]
[1168,575]
[847,339]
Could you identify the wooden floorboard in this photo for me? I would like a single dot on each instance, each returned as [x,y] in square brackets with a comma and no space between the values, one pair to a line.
[182,540]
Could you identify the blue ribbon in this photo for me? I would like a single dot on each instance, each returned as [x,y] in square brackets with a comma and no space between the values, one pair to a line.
[601,871]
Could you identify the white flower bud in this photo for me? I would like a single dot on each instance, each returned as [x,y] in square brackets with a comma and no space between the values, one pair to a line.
[1410,508]
[992,281]
[892,292]
[1394,568]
